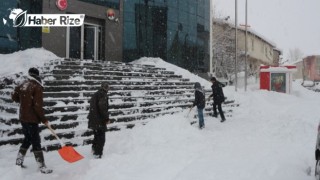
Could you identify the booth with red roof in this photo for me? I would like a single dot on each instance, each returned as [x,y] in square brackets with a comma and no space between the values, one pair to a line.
[277,78]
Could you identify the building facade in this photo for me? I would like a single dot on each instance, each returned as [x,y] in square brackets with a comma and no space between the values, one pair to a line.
[300,68]
[259,50]
[176,30]
[308,69]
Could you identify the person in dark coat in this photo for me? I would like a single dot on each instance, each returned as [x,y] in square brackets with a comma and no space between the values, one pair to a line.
[30,96]
[218,98]
[99,118]
[200,102]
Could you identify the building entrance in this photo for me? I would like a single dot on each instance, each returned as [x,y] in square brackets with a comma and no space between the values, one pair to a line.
[84,42]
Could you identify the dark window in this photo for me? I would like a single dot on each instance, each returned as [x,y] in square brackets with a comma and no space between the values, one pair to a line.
[107,3]
[151,28]
[30,36]
[8,34]
[174,30]
[19,38]
[75,42]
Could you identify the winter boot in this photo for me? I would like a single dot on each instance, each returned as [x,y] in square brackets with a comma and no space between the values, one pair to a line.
[20,157]
[223,120]
[97,156]
[40,160]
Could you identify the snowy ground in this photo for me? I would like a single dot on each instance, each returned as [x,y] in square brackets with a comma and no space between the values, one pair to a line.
[271,136]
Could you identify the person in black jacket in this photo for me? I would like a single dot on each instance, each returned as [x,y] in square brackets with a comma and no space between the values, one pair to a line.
[199,101]
[99,118]
[218,98]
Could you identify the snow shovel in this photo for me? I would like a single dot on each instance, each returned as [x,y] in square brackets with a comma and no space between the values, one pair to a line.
[189,111]
[191,121]
[66,152]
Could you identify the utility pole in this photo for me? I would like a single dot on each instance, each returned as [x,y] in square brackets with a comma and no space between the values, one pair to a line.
[236,46]
[211,37]
[246,47]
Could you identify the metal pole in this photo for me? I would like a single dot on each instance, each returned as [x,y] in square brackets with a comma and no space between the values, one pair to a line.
[246,49]
[211,39]
[236,45]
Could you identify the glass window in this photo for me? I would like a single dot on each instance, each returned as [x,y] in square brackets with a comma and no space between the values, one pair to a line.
[107,3]
[75,42]
[183,6]
[175,30]
[16,38]
[173,14]
[130,35]
[129,17]
[278,82]
[8,46]
[30,36]
[8,34]
[193,7]
[172,3]
[183,18]
[129,5]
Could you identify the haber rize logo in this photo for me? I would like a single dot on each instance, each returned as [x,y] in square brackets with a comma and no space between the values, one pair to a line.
[20,18]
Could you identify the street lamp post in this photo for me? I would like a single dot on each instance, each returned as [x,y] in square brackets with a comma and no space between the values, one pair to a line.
[236,46]
[246,49]
[211,36]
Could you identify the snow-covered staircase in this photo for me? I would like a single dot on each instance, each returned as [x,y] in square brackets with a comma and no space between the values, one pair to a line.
[137,94]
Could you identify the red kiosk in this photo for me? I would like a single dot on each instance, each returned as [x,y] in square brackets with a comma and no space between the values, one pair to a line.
[277,78]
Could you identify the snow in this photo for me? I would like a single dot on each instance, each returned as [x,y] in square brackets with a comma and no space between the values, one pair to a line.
[158,62]
[21,61]
[270,136]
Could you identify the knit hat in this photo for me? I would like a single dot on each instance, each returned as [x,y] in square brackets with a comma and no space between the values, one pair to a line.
[105,86]
[197,85]
[213,79]
[33,72]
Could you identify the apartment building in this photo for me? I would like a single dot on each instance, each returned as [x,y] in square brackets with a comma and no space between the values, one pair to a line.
[259,49]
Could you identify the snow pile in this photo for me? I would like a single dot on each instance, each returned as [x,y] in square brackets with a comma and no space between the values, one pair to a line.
[158,62]
[270,136]
[21,61]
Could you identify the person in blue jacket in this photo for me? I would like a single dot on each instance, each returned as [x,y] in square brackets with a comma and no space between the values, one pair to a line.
[199,101]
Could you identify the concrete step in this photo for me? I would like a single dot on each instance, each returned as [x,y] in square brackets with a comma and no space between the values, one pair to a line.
[94,67]
[78,88]
[114,83]
[109,77]
[137,94]
[82,73]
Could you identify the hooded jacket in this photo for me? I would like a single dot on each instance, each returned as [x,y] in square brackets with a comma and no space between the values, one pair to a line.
[217,92]
[30,96]
[98,112]
[200,99]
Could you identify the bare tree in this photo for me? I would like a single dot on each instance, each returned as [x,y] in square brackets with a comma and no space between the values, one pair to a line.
[223,48]
[295,55]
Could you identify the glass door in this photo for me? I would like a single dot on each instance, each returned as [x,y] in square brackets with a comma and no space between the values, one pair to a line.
[83,42]
[74,42]
[90,42]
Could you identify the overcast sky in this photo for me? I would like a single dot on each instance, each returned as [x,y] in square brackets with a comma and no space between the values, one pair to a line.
[288,23]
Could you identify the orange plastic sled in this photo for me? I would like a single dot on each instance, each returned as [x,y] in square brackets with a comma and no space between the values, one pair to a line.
[68,153]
